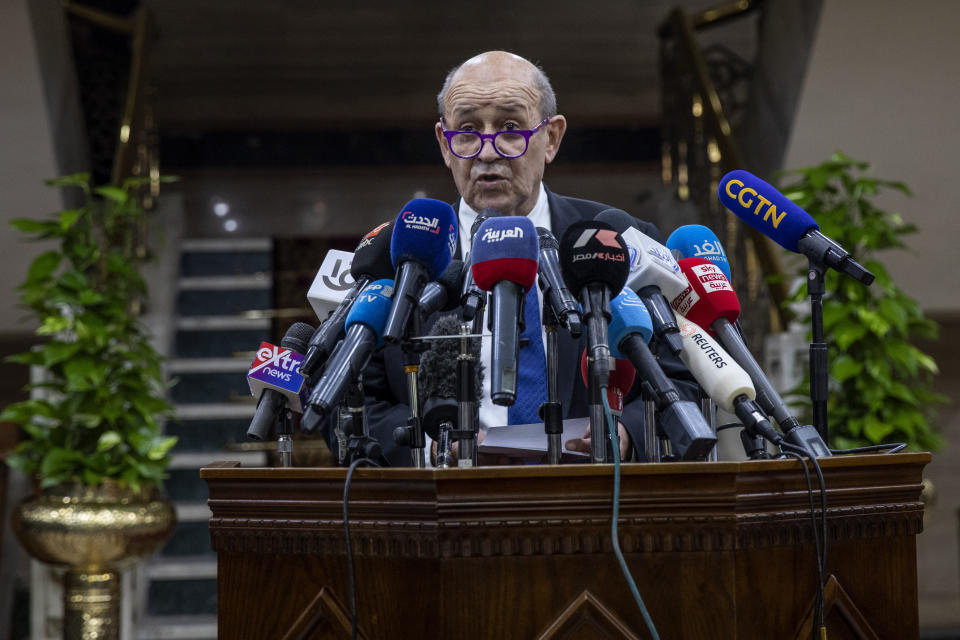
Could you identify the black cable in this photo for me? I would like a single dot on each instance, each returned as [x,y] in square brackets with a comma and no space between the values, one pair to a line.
[821,550]
[892,447]
[346,533]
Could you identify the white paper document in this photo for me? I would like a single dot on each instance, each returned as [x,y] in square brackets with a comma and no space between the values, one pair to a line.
[529,439]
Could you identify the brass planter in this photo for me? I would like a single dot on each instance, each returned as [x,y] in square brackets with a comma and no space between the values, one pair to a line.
[95,533]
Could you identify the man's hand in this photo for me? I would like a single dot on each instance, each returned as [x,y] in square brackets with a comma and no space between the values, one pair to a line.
[583,444]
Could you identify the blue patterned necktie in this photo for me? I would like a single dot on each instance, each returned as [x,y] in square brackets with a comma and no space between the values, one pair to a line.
[531,366]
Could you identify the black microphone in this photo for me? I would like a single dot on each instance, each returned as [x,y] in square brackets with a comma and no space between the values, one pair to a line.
[472,297]
[595,265]
[554,289]
[444,293]
[371,261]
[274,377]
[364,330]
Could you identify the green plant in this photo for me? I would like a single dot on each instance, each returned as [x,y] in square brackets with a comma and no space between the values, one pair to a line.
[881,384]
[95,414]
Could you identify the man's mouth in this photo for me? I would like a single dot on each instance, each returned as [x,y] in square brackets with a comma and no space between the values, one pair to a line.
[489,179]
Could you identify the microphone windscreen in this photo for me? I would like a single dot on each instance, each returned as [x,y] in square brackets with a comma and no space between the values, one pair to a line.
[505,248]
[437,376]
[698,241]
[547,239]
[483,215]
[764,208]
[371,307]
[425,232]
[592,252]
[709,297]
[628,315]
[297,337]
[371,258]
[616,218]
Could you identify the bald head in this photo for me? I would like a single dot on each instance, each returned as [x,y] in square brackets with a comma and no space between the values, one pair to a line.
[493,65]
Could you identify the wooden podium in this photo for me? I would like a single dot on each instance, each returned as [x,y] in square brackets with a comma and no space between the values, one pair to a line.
[718,550]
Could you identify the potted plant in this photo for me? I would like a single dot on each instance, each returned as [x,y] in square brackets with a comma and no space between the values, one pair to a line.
[92,427]
[880,382]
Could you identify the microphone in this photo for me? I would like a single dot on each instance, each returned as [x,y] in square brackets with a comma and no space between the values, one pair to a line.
[438,380]
[444,293]
[554,289]
[364,331]
[698,241]
[622,375]
[680,420]
[595,266]
[774,215]
[725,381]
[504,262]
[421,246]
[654,275]
[711,302]
[472,298]
[371,261]
[274,377]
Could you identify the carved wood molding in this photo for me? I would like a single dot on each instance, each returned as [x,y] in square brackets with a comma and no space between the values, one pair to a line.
[493,537]
[587,617]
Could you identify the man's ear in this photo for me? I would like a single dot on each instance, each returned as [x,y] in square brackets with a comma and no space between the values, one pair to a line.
[555,130]
[443,144]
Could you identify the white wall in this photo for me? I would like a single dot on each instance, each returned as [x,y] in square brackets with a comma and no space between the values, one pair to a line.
[26,154]
[883,85]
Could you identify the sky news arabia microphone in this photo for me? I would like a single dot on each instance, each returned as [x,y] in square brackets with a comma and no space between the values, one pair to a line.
[504,262]
[421,247]
[680,420]
[443,294]
[274,377]
[593,259]
[723,380]
[555,291]
[654,275]
[371,261]
[698,241]
[712,304]
[774,215]
[364,331]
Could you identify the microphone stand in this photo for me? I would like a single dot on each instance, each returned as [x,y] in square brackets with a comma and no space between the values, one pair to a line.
[651,441]
[466,435]
[819,370]
[411,364]
[596,311]
[709,409]
[285,438]
[550,411]
[359,443]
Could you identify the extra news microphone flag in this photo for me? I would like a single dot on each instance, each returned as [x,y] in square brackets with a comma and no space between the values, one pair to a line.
[274,378]
[422,244]
[774,215]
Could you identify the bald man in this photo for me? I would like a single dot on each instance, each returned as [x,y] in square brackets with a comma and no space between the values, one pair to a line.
[498,129]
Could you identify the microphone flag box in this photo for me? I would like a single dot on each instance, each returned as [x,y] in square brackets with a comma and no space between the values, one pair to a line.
[278,369]
[332,282]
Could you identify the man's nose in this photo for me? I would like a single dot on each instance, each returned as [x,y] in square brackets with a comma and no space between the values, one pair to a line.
[487,152]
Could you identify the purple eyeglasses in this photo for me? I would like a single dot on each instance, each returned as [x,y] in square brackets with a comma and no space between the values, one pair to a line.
[509,143]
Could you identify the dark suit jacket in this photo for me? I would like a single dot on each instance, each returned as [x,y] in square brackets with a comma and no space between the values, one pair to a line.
[385,382]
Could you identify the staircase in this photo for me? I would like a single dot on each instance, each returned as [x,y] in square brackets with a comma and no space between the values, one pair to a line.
[214,341]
